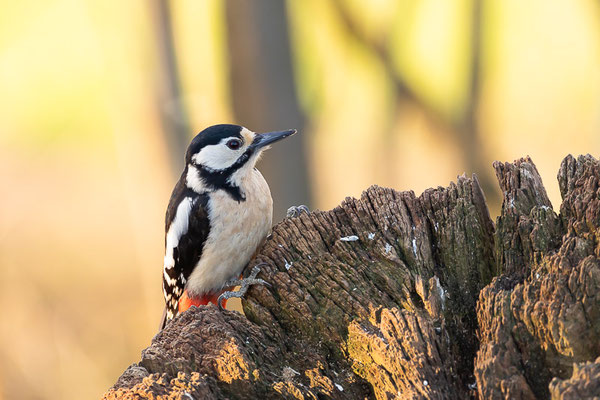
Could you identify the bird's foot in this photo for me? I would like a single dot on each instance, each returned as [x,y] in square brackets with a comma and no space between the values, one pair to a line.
[244,283]
[295,211]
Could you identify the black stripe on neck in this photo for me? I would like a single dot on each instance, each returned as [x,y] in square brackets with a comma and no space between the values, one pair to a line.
[219,180]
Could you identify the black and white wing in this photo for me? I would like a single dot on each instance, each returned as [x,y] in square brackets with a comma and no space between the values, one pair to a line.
[186,228]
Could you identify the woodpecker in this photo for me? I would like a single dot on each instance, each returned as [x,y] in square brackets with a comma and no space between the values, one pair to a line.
[219,213]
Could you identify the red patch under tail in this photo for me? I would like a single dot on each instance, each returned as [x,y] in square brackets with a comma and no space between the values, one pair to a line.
[186,301]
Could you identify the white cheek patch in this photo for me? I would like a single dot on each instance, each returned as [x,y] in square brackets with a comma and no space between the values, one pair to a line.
[218,156]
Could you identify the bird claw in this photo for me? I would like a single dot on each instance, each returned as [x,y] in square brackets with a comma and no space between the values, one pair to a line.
[244,283]
[295,211]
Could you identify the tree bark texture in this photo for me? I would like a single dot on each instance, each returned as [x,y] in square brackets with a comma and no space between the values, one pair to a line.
[398,296]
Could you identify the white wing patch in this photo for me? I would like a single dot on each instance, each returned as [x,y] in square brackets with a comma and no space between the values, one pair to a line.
[177,229]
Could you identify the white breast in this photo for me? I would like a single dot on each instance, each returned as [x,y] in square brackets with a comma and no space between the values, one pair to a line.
[236,231]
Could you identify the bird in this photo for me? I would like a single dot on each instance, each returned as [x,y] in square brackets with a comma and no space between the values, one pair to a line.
[219,214]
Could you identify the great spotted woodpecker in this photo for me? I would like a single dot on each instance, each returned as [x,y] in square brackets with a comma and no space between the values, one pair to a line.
[219,214]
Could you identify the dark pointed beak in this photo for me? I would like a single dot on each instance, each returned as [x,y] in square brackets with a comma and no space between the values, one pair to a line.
[265,139]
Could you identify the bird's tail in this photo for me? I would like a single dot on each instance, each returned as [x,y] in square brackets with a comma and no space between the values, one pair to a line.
[163,320]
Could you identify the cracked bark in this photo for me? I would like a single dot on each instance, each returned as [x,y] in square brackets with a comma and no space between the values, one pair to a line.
[422,299]
[542,314]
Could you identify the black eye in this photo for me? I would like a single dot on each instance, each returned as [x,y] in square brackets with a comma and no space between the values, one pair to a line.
[234,144]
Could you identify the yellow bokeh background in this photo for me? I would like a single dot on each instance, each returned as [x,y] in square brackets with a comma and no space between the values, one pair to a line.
[385,88]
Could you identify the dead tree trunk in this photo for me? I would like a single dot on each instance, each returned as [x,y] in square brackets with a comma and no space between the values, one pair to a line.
[398,296]
[540,320]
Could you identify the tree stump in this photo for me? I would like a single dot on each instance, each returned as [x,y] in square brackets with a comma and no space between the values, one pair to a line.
[398,296]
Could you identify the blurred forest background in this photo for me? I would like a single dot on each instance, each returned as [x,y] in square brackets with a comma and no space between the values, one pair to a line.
[100,98]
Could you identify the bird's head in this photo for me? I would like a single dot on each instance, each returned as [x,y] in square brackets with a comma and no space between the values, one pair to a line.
[222,154]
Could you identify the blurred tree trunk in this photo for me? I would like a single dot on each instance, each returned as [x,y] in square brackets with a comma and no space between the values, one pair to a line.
[264,95]
[173,116]
[467,129]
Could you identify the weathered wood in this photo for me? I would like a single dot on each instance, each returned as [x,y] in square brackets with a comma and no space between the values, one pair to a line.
[393,295]
[543,314]
[583,384]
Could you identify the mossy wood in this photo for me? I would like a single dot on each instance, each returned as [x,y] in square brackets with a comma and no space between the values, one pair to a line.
[398,296]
